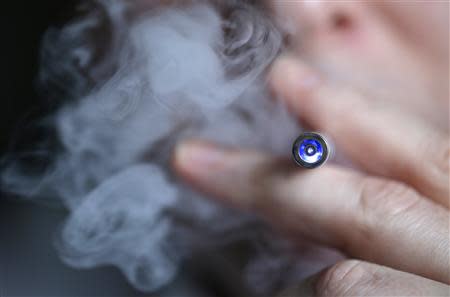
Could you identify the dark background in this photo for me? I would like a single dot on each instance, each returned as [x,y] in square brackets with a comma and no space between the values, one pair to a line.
[29,265]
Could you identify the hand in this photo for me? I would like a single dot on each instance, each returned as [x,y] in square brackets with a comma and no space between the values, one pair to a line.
[392,214]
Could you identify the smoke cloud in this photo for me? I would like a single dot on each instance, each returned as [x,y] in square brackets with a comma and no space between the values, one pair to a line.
[131,80]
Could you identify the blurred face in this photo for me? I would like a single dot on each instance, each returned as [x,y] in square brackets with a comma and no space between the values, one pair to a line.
[397,51]
[425,24]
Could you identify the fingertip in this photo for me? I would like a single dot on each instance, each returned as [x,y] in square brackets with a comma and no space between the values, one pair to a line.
[293,81]
[195,159]
[289,72]
[234,177]
[225,174]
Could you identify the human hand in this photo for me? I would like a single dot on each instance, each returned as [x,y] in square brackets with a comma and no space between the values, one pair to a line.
[392,214]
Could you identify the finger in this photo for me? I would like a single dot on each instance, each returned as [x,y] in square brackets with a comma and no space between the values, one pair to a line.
[368,218]
[382,140]
[357,278]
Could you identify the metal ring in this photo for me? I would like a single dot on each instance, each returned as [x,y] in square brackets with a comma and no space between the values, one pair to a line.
[310,150]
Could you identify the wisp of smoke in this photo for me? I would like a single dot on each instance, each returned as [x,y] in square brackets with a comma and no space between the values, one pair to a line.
[132,81]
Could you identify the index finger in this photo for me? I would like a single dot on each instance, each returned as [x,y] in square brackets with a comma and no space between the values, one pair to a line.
[382,140]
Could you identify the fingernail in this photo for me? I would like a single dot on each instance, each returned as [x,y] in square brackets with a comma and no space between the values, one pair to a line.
[309,81]
[302,77]
[199,156]
[294,82]
[291,72]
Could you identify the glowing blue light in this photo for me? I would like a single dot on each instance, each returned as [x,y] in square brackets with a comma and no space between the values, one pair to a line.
[310,151]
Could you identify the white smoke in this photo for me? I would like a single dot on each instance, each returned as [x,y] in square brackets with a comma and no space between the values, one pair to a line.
[134,80]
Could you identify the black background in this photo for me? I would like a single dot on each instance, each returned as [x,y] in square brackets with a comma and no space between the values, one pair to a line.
[29,265]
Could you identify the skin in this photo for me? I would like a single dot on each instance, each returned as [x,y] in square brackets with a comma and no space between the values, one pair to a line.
[389,212]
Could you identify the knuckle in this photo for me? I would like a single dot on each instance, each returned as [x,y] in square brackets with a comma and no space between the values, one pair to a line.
[343,278]
[381,202]
[443,160]
[438,148]
[381,197]
[430,174]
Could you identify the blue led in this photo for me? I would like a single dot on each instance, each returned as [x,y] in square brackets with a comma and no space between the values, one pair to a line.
[310,151]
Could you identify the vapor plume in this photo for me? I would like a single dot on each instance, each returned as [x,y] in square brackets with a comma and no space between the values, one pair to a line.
[130,81]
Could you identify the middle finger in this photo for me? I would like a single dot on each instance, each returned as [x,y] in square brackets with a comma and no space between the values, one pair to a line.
[370,218]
